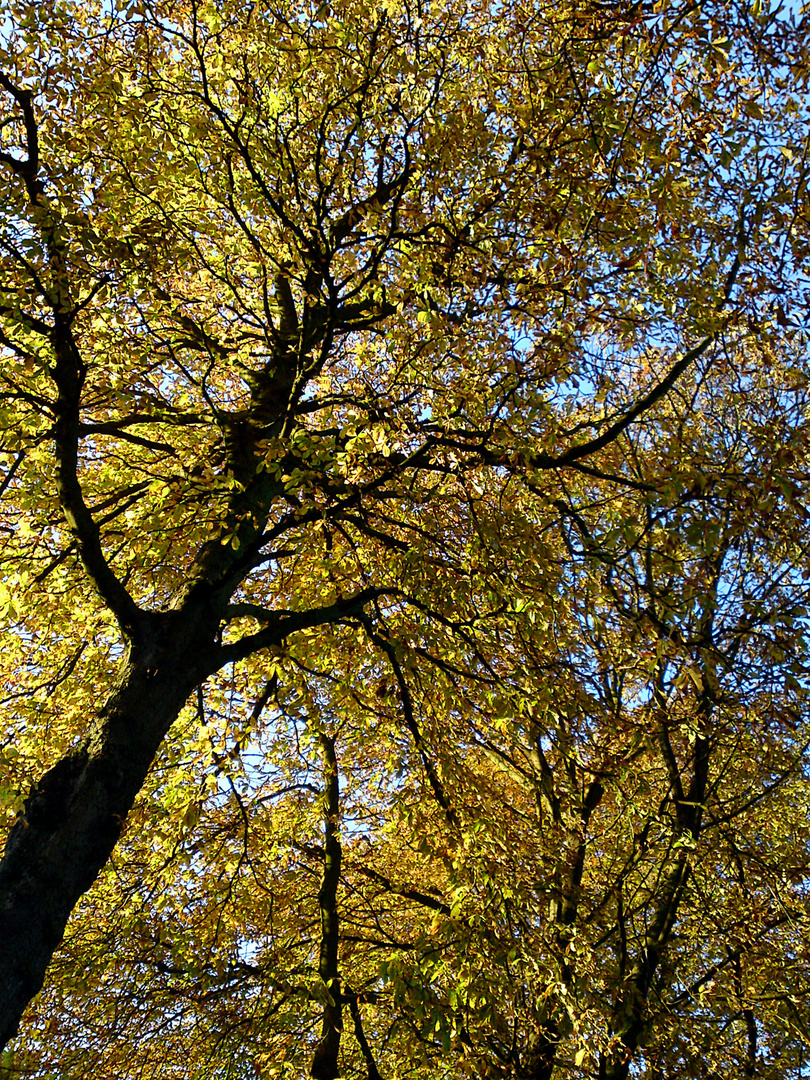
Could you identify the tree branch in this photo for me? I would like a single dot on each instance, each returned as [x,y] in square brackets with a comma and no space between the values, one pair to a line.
[29,167]
[68,373]
[410,722]
[281,624]
[372,1072]
[408,894]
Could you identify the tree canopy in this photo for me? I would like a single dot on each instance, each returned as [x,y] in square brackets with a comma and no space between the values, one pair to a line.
[403,540]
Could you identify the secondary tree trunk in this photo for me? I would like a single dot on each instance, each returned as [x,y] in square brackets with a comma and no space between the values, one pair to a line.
[325,1060]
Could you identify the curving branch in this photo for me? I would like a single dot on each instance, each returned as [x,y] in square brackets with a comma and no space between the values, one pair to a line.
[386,646]
[68,372]
[281,624]
[28,167]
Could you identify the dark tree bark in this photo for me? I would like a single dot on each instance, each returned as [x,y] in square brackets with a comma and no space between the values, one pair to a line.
[74,815]
[325,1060]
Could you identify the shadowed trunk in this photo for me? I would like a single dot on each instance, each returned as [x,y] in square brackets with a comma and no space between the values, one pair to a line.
[73,817]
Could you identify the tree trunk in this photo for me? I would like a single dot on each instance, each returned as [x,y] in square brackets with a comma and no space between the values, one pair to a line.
[73,817]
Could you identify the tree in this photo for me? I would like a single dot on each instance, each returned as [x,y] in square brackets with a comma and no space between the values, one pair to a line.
[511,935]
[287,292]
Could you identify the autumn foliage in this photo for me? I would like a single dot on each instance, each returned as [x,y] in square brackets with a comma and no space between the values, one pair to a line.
[403,541]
